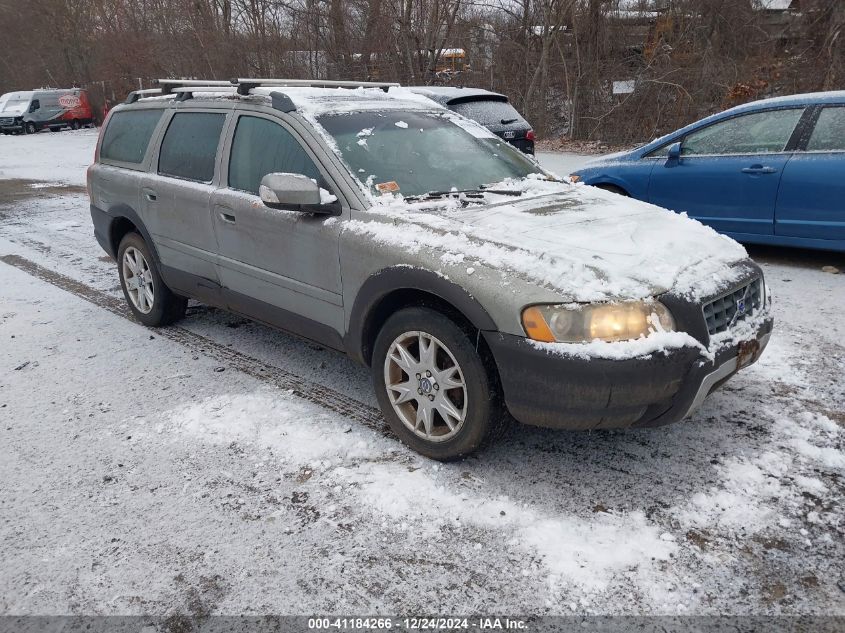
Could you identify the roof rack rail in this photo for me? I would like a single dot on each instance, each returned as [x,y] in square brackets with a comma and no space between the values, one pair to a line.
[133,96]
[172,85]
[247,84]
[184,89]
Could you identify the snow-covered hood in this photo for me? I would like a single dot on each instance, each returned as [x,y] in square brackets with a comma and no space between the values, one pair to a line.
[589,244]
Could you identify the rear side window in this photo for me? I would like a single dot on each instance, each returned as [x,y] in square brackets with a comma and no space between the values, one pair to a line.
[128,134]
[189,147]
[262,147]
[488,112]
[829,133]
[757,133]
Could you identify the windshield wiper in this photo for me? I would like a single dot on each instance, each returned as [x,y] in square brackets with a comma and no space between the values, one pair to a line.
[472,193]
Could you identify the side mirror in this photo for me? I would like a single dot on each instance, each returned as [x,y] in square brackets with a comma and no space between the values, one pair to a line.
[295,192]
[674,156]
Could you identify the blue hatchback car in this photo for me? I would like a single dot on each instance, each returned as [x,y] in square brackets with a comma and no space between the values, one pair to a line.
[767,172]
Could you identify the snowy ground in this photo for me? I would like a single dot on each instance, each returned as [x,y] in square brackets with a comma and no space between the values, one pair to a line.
[223,467]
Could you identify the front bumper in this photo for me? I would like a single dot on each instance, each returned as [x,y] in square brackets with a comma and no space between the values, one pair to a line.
[545,389]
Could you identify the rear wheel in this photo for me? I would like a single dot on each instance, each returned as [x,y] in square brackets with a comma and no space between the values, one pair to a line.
[150,300]
[434,388]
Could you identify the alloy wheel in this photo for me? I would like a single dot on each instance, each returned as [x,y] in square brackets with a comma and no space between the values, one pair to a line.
[138,279]
[426,386]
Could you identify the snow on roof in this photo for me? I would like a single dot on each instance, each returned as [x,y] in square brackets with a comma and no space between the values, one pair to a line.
[317,101]
[14,96]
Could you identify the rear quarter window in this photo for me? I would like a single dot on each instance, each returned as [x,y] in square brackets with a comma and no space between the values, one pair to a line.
[128,134]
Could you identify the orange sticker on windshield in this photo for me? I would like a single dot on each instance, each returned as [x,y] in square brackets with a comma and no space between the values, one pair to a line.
[387,187]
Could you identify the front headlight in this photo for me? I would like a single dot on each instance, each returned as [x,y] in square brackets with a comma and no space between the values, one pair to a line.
[604,321]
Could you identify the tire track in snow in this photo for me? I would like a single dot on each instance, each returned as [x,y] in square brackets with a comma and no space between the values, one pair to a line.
[303,388]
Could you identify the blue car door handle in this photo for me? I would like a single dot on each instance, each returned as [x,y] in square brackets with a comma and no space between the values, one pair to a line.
[758,169]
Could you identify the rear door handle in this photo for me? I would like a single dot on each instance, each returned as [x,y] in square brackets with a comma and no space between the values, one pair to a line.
[150,195]
[227,217]
[758,169]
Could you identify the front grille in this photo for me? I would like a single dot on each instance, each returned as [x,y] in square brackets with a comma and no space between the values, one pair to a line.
[7,121]
[733,306]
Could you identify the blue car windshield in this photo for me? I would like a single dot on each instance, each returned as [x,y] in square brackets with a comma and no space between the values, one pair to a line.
[414,153]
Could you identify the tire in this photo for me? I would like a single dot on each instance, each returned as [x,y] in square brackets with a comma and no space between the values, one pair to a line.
[614,189]
[473,394]
[75,125]
[134,260]
[29,128]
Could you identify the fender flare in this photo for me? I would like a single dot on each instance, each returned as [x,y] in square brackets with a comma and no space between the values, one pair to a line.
[120,212]
[410,279]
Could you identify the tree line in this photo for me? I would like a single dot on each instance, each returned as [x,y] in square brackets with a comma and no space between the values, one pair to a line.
[618,71]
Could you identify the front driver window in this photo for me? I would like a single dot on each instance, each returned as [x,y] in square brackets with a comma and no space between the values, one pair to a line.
[660,152]
[262,147]
[757,133]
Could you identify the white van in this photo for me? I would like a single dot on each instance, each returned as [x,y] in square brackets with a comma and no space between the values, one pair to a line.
[34,110]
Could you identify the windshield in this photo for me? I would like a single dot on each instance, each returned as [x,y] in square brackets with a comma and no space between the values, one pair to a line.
[15,106]
[413,153]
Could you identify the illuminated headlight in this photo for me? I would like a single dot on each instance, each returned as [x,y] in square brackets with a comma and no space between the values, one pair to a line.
[604,321]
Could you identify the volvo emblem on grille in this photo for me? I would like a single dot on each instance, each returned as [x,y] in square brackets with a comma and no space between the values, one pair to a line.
[741,306]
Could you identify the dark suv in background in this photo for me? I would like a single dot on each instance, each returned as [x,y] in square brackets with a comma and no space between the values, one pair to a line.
[490,109]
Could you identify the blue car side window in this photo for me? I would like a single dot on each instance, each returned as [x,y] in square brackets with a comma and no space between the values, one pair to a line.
[764,132]
[829,133]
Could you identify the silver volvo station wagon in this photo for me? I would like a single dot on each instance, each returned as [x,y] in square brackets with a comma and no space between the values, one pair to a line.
[478,287]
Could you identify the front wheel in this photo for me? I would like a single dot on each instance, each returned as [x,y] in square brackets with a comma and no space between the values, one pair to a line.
[152,303]
[30,128]
[435,390]
[75,125]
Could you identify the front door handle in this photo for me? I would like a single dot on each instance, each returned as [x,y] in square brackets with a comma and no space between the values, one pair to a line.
[150,195]
[758,169]
[227,217]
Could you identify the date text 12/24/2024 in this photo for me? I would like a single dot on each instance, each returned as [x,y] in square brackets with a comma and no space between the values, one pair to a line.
[417,624]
